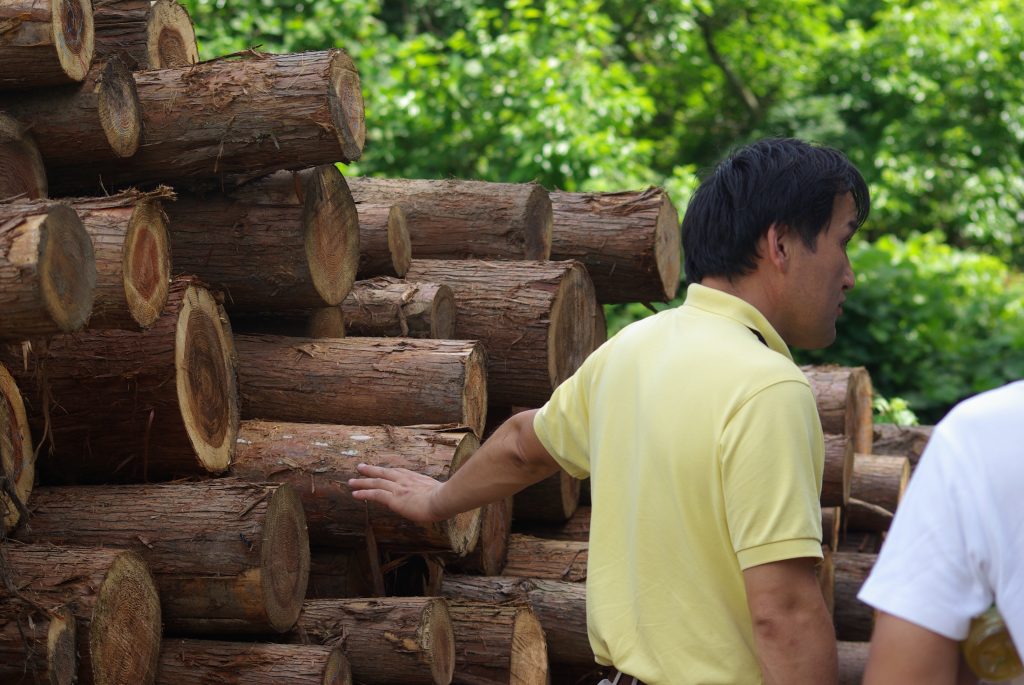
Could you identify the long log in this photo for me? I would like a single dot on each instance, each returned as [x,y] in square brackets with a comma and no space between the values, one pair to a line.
[386,307]
[133,260]
[497,644]
[132,406]
[843,396]
[577,528]
[77,125]
[285,243]
[247,663]
[392,641]
[533,318]
[561,607]
[47,271]
[249,116]
[853,618]
[45,43]
[552,500]
[629,241]
[363,381]
[37,645]
[17,458]
[227,556]
[906,441]
[318,460]
[22,174]
[112,596]
[491,551]
[838,474]
[145,34]
[878,484]
[532,557]
[453,219]
[385,248]
[853,659]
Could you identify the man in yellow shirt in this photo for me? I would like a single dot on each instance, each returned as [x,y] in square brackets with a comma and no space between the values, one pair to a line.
[701,439]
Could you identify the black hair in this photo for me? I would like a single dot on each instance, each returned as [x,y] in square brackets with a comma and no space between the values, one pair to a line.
[781,180]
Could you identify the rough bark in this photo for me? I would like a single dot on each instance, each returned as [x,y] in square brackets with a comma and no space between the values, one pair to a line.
[45,42]
[906,441]
[491,551]
[37,645]
[22,174]
[283,244]
[629,241]
[876,490]
[112,596]
[247,663]
[577,528]
[552,500]
[146,35]
[363,381]
[831,526]
[385,248]
[388,307]
[560,605]
[533,318]
[843,396]
[853,618]
[248,116]
[497,644]
[339,574]
[227,556]
[454,219]
[838,474]
[47,271]
[392,641]
[532,557]
[318,460]
[853,658]
[131,406]
[74,126]
[17,457]
[132,252]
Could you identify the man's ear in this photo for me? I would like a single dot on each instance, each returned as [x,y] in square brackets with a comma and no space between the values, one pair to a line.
[777,245]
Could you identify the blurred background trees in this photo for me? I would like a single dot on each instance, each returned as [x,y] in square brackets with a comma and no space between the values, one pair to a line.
[926,96]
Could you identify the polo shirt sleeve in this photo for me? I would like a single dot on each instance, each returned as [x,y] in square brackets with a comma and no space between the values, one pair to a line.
[562,424]
[771,461]
[931,568]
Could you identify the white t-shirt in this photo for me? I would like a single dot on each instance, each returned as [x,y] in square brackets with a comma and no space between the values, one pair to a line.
[957,542]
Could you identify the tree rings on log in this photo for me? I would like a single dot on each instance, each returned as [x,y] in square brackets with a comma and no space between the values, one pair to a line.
[45,43]
[395,640]
[47,271]
[629,241]
[16,454]
[454,219]
[843,396]
[37,645]
[385,248]
[491,551]
[113,598]
[496,644]
[363,381]
[388,307]
[146,35]
[247,663]
[22,174]
[838,473]
[318,461]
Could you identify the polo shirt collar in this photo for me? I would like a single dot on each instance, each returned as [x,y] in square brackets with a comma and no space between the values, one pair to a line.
[723,304]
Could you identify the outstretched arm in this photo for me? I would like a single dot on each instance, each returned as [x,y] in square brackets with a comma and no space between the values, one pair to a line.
[507,462]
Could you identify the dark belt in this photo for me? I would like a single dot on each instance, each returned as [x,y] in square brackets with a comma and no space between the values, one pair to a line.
[623,679]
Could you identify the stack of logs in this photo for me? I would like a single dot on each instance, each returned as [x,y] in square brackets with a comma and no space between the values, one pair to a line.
[195,433]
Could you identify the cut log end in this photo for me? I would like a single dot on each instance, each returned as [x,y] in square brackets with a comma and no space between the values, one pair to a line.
[124,635]
[331,228]
[68,267]
[571,336]
[22,174]
[16,454]
[438,639]
[399,242]
[346,102]
[147,263]
[337,671]
[667,246]
[529,662]
[540,217]
[73,36]
[326,322]
[442,314]
[206,379]
[119,109]
[859,421]
[474,394]
[464,529]
[62,657]
[838,475]
[284,558]
[171,38]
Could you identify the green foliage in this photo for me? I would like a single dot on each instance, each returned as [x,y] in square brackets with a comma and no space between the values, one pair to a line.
[896,411]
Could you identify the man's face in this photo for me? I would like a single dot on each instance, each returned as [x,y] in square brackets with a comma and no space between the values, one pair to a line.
[818,279]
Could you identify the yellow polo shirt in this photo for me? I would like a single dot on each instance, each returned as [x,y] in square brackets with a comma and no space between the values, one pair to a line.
[705,453]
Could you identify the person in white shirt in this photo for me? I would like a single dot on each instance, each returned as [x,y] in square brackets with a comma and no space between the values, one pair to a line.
[955,548]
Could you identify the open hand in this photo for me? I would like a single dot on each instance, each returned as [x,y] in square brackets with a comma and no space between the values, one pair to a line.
[405,492]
